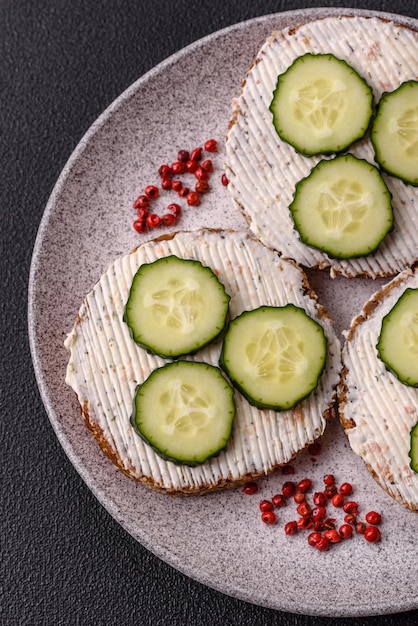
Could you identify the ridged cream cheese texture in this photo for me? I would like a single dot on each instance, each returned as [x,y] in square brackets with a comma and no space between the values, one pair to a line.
[383,409]
[106,365]
[263,170]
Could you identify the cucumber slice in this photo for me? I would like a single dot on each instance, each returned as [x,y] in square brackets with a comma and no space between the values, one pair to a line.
[321,105]
[413,451]
[274,355]
[185,411]
[175,306]
[397,345]
[343,207]
[394,132]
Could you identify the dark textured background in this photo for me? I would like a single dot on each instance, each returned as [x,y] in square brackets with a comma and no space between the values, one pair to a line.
[64,560]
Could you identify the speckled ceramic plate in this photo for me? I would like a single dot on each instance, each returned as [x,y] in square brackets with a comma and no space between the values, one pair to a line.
[217,539]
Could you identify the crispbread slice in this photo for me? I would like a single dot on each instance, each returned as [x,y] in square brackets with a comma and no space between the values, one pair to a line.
[263,170]
[376,410]
[105,364]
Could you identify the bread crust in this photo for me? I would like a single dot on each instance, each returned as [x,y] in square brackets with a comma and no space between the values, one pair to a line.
[370,309]
[110,448]
[227,483]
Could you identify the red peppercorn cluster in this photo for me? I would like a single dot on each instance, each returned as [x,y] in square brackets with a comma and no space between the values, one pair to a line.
[313,512]
[186,163]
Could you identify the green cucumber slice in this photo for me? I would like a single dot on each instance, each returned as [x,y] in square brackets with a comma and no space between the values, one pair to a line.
[397,345]
[274,355]
[175,306]
[413,451]
[394,132]
[321,105]
[185,410]
[343,207]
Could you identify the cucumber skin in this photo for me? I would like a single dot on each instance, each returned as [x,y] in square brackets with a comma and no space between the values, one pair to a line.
[379,160]
[300,183]
[176,356]
[379,352]
[161,453]
[342,149]
[389,369]
[413,451]
[261,405]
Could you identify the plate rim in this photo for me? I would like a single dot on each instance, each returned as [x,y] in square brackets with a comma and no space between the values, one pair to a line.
[160,551]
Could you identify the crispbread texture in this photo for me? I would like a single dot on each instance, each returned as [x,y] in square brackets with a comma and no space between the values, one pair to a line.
[105,365]
[376,410]
[263,170]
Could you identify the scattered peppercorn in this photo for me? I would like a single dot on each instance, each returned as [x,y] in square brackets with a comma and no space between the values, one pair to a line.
[189,162]
[324,531]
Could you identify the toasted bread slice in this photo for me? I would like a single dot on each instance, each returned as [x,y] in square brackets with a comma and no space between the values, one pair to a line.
[106,365]
[376,410]
[263,169]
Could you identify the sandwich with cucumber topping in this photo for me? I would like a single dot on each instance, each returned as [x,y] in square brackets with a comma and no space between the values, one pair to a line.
[202,360]
[316,97]
[378,391]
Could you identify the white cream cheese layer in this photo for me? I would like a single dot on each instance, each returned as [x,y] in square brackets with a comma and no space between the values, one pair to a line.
[263,170]
[106,365]
[382,408]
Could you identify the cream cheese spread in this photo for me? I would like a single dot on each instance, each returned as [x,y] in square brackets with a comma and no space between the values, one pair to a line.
[106,365]
[263,170]
[377,410]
